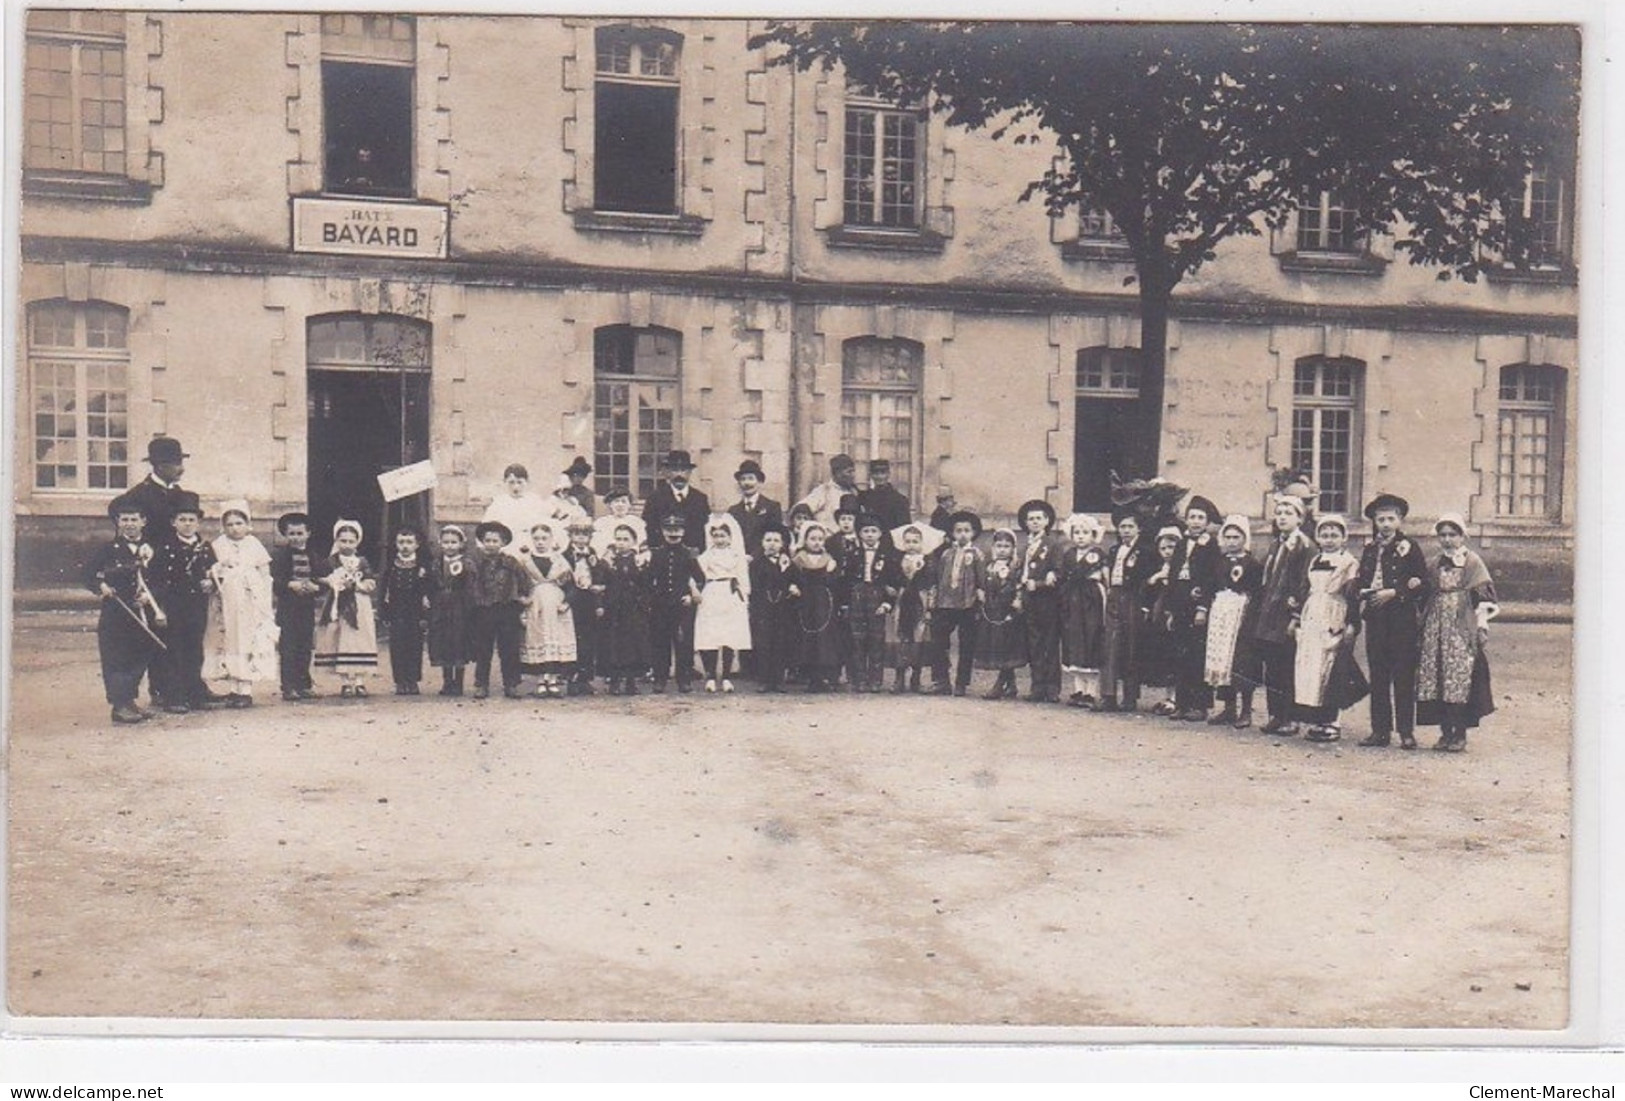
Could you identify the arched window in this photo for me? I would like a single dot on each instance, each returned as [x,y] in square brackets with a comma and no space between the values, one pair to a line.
[79,372]
[1327,427]
[636,399]
[635,132]
[880,397]
[1529,441]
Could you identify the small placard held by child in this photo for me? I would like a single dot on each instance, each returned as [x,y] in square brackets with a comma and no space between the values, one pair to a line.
[406,480]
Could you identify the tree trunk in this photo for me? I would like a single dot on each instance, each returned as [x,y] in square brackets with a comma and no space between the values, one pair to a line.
[1155,298]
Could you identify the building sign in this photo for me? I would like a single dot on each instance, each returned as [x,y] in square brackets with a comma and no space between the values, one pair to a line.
[363,227]
[405,481]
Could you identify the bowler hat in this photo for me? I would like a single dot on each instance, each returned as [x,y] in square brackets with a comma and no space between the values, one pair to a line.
[750,466]
[165,449]
[493,526]
[677,460]
[579,466]
[1387,501]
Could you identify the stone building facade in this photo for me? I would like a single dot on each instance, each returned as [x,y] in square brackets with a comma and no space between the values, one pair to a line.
[315,247]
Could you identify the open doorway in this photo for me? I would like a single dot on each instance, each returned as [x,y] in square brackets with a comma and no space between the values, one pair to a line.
[368,397]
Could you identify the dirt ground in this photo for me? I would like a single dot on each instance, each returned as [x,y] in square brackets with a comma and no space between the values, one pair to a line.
[800,859]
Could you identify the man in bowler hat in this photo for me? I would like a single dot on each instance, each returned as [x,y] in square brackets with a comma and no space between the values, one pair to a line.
[756,511]
[674,496]
[159,494]
[1393,586]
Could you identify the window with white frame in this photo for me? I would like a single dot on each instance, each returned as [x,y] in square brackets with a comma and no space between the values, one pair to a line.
[882,164]
[1545,207]
[368,65]
[74,102]
[635,148]
[880,397]
[1326,427]
[1325,225]
[1529,442]
[79,374]
[637,397]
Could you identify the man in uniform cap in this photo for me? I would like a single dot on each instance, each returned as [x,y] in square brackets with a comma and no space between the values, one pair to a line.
[160,492]
[756,511]
[881,499]
[1393,585]
[674,496]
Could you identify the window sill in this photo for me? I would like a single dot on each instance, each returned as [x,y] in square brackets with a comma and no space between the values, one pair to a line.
[611,221]
[1338,263]
[1097,250]
[109,189]
[1565,276]
[885,240]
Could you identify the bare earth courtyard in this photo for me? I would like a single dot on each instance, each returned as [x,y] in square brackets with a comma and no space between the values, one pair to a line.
[802,859]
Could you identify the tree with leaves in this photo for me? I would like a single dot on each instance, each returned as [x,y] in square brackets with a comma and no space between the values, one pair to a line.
[1189,135]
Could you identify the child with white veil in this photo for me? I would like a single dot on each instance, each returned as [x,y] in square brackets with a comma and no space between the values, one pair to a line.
[722,625]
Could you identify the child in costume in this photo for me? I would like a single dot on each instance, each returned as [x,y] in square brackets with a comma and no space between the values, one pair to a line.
[773,630]
[908,627]
[347,626]
[674,590]
[814,585]
[619,503]
[953,608]
[1453,676]
[1083,608]
[869,587]
[1280,599]
[1129,564]
[584,595]
[451,605]
[296,591]
[1394,586]
[1001,636]
[240,646]
[1326,678]
[624,612]
[180,580]
[722,624]
[1040,557]
[404,593]
[1196,568]
[1165,605]
[549,651]
[501,592]
[125,638]
[1228,665]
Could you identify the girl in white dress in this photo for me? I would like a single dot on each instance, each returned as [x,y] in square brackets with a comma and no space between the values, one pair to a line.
[722,625]
[1325,676]
[549,650]
[240,638]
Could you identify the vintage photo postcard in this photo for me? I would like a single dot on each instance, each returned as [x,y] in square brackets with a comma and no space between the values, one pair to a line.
[612,523]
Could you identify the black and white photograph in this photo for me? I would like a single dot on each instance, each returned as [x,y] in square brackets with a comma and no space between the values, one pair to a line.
[1021,528]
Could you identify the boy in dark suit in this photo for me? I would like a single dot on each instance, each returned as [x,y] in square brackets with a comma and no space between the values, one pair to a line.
[295,591]
[1196,569]
[871,578]
[125,641]
[675,579]
[181,582]
[1393,587]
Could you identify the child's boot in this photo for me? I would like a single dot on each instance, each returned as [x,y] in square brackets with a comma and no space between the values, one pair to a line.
[1228,715]
[1244,716]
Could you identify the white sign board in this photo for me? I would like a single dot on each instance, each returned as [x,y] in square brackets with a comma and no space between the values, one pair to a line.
[365,227]
[406,480]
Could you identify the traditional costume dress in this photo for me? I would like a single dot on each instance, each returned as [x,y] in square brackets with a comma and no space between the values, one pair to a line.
[240,643]
[1083,601]
[451,606]
[550,630]
[1453,675]
[1001,636]
[773,629]
[518,514]
[723,619]
[1228,665]
[1326,678]
[907,630]
[623,652]
[346,625]
[403,598]
[603,532]
[819,650]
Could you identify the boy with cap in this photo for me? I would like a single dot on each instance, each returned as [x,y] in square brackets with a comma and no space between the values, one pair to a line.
[501,589]
[125,638]
[1394,587]
[295,591]
[953,605]
[674,580]
[181,582]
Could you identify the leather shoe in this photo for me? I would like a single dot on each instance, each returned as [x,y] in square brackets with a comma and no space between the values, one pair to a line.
[129,714]
[1374,741]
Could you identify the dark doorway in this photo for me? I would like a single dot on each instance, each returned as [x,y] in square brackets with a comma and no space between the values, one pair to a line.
[1111,434]
[368,396]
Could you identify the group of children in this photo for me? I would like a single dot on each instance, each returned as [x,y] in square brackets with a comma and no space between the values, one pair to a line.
[571,601]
